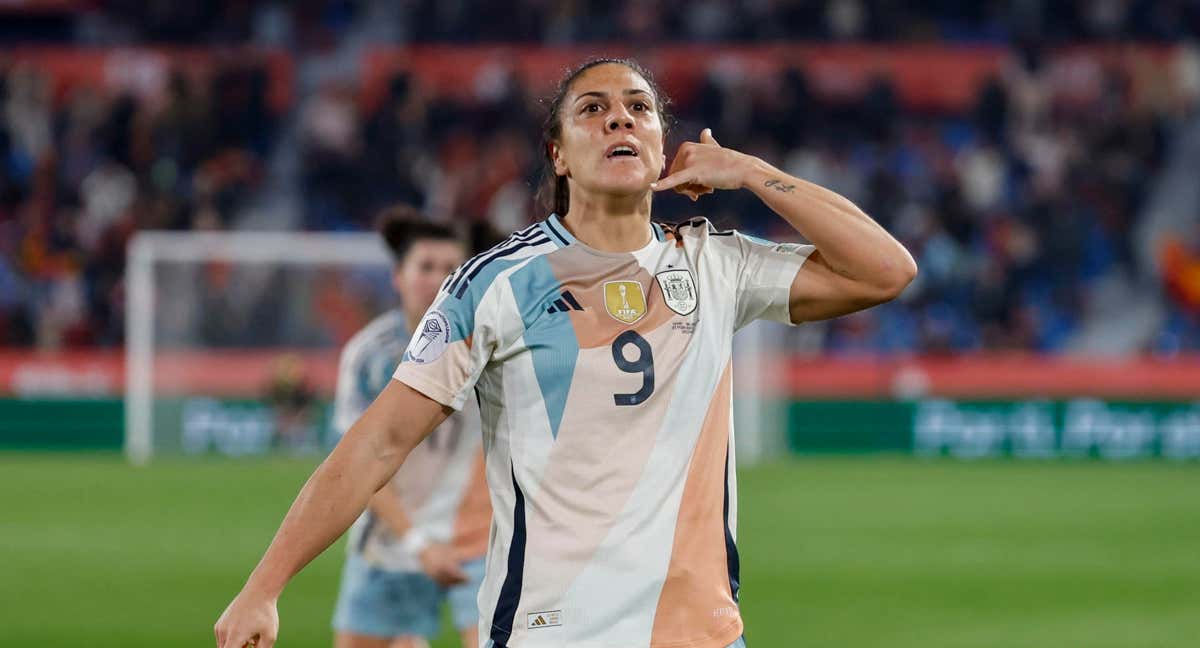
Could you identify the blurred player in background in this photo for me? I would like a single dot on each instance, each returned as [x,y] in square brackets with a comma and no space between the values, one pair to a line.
[423,536]
[599,344]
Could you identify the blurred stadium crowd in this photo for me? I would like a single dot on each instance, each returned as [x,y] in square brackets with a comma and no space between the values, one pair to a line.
[1026,211]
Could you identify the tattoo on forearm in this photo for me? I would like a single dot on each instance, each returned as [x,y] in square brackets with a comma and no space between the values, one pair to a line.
[779,186]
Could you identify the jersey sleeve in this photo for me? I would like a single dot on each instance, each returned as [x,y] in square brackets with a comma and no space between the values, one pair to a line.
[764,278]
[451,346]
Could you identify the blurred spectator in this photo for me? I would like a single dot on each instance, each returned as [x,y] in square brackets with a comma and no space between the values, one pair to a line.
[333,154]
[1181,275]
[1181,271]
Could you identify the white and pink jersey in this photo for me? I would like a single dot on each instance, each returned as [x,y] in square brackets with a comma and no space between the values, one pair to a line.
[604,387]
[441,484]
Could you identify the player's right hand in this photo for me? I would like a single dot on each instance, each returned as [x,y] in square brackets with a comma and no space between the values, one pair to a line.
[700,167]
[248,621]
[441,563]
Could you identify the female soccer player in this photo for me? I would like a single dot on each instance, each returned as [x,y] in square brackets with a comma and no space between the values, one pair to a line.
[423,536]
[598,345]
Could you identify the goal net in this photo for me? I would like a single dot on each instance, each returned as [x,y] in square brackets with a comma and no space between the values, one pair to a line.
[232,338]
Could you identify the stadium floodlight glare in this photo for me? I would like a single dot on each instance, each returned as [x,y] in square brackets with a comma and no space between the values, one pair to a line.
[272,275]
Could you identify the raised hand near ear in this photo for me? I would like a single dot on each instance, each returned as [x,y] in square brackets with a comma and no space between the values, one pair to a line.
[699,168]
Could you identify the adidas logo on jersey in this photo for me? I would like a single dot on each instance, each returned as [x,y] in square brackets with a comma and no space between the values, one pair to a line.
[548,619]
[564,303]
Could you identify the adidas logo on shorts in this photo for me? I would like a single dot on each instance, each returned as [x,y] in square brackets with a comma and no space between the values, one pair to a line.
[548,619]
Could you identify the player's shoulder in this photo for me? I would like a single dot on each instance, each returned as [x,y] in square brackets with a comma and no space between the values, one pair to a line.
[480,271]
[387,328]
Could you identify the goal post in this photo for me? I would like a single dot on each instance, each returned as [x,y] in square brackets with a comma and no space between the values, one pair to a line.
[294,272]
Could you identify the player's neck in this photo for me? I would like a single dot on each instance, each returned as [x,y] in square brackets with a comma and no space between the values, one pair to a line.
[609,223]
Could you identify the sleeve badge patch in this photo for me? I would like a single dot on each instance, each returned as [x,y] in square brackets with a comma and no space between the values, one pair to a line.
[430,339]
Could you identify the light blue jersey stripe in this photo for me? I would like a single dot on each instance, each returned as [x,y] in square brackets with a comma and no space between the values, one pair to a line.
[552,342]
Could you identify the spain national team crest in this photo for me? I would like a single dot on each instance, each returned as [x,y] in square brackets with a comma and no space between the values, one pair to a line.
[679,290]
[625,300]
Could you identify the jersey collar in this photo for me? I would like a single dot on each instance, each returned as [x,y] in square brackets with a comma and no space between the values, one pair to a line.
[558,232]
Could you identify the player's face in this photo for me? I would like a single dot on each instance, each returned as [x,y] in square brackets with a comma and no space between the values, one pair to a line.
[426,265]
[612,136]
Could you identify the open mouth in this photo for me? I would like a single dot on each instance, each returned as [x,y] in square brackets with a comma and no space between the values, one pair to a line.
[621,150]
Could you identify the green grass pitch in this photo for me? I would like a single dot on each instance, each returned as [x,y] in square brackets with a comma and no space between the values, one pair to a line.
[871,551]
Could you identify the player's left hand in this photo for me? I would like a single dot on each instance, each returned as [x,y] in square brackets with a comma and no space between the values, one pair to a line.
[441,563]
[701,167]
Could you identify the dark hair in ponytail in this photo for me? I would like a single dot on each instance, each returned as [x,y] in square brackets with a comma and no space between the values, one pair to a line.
[402,225]
[554,193]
